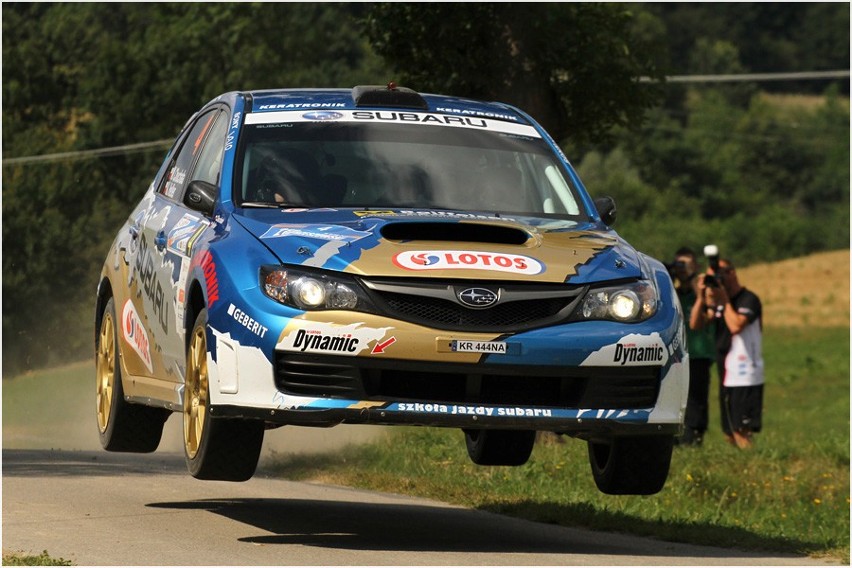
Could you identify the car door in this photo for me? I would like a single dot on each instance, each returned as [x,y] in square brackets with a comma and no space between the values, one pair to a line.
[167,233]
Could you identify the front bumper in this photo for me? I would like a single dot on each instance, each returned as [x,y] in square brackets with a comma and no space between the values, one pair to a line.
[582,378]
[582,401]
[581,423]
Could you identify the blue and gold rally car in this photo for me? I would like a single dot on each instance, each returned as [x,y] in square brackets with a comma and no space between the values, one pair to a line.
[381,256]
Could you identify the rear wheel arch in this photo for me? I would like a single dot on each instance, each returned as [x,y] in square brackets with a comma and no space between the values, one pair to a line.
[104,295]
[122,426]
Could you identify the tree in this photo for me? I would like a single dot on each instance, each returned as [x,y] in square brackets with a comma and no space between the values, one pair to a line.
[84,76]
[770,37]
[575,67]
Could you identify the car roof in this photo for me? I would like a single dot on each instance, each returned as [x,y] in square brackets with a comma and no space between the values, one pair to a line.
[379,98]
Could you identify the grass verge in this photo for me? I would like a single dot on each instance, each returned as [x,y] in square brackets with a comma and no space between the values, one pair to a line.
[788,494]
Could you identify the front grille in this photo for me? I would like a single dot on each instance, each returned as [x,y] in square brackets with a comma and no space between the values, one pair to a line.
[447,383]
[520,307]
[446,314]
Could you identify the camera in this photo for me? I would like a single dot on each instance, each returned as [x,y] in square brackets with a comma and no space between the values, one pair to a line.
[673,267]
[712,254]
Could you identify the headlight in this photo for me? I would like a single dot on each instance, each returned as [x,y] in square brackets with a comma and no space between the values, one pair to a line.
[309,293]
[313,291]
[626,303]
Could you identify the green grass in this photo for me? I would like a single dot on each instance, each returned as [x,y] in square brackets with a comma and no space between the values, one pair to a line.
[51,408]
[790,493]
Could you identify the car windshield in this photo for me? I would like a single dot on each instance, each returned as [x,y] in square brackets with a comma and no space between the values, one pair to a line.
[502,168]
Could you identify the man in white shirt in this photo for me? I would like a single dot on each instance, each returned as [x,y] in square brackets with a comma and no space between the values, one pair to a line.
[739,355]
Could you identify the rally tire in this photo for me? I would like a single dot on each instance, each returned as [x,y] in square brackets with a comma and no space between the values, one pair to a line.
[631,465]
[222,449]
[499,447]
[122,426]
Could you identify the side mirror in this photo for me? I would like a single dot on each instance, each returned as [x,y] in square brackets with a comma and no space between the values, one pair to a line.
[606,209]
[201,196]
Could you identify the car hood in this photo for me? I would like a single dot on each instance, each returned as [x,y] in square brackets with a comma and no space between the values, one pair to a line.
[443,244]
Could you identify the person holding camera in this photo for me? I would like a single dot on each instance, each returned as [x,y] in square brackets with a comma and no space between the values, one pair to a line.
[701,347]
[737,314]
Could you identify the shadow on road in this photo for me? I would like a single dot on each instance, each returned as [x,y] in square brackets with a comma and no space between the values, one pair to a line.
[415,527]
[364,522]
[368,526]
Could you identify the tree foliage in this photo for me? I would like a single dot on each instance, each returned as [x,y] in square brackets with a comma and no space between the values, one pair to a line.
[573,66]
[722,163]
[766,182]
[801,36]
[87,76]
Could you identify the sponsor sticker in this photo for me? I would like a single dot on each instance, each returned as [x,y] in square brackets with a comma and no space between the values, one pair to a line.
[135,335]
[320,232]
[454,120]
[468,260]
[485,114]
[146,269]
[429,214]
[247,321]
[349,340]
[631,351]
[184,234]
[322,115]
[380,347]
[208,265]
[501,411]
[232,132]
[291,106]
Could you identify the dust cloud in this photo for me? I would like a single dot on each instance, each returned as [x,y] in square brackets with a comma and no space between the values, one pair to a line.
[57,412]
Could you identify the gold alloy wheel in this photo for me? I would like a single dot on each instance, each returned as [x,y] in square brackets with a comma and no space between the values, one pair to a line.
[195,393]
[106,371]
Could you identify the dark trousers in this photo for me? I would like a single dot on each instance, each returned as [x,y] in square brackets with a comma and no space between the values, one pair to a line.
[697,401]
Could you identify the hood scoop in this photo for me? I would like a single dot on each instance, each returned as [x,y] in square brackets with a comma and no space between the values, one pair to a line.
[455,232]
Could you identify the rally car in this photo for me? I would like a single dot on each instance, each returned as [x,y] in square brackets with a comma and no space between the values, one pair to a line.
[380,256]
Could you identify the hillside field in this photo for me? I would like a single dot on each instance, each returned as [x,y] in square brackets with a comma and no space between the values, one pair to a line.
[811,291]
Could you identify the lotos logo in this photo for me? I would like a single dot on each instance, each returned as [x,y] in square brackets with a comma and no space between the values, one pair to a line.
[468,260]
[135,334]
[424,259]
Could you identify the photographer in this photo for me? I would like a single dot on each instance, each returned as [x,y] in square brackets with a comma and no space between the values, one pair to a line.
[684,272]
[737,313]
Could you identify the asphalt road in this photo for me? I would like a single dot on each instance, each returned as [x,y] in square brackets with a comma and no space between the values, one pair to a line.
[63,494]
[99,508]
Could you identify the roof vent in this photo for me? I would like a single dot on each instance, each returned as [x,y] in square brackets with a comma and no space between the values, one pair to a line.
[389,96]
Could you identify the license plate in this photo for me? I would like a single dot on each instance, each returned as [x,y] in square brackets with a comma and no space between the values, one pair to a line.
[464,346]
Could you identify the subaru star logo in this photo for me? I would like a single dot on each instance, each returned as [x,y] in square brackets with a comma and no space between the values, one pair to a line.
[322,115]
[477,297]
